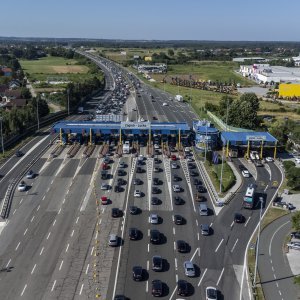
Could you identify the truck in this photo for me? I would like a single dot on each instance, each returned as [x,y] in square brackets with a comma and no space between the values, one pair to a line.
[179,98]
[126,147]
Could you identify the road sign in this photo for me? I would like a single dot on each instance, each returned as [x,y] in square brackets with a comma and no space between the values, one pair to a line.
[256,137]
[135,125]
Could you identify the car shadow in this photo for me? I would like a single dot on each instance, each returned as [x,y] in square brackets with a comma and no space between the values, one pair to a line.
[197,271]
[166,290]
[166,265]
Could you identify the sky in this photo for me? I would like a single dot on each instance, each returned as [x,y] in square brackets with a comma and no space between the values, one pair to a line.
[230,20]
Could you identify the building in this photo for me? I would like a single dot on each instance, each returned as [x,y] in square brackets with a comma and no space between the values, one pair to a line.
[264,73]
[206,135]
[6,71]
[160,68]
[253,58]
[289,90]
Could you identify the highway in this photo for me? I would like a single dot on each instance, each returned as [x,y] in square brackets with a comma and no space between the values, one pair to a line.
[55,243]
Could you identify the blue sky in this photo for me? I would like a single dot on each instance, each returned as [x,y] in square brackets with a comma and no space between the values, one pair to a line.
[156,19]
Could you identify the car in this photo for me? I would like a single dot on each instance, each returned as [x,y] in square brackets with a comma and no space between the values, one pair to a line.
[22,186]
[104,174]
[157,263]
[137,193]
[104,200]
[174,165]
[165,104]
[178,220]
[156,169]
[19,153]
[121,181]
[178,201]
[120,297]
[294,245]
[153,219]
[205,229]
[117,188]
[137,273]
[116,212]
[137,181]
[30,174]
[242,167]
[182,288]
[197,181]
[121,172]
[173,157]
[122,164]
[113,240]
[239,218]
[269,159]
[189,269]
[176,178]
[297,160]
[201,189]
[190,159]
[199,197]
[157,160]
[154,118]
[156,181]
[157,288]
[140,158]
[142,119]
[155,236]
[181,246]
[295,234]
[133,233]
[104,186]
[246,173]
[139,170]
[155,190]
[176,188]
[193,173]
[156,146]
[191,166]
[133,210]
[155,201]
[211,293]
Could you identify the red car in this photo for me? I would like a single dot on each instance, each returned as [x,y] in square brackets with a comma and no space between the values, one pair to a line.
[104,166]
[173,157]
[104,200]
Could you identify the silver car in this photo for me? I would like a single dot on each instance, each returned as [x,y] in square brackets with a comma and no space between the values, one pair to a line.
[153,219]
[113,240]
[189,269]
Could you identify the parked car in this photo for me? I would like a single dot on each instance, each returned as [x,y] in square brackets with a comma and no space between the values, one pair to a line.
[133,210]
[137,181]
[155,236]
[294,245]
[189,269]
[157,288]
[155,190]
[176,178]
[19,153]
[104,186]
[153,219]
[157,263]
[174,165]
[178,201]
[155,201]
[182,246]
[211,293]
[182,288]
[176,188]
[104,200]
[133,233]
[116,212]
[113,240]
[137,273]
[246,173]
[137,193]
[178,220]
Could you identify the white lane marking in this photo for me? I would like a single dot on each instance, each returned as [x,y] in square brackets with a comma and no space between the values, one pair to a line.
[87,269]
[198,236]
[92,251]
[176,266]
[234,245]
[194,254]
[148,232]
[147,265]
[147,286]
[21,200]
[33,269]
[271,261]
[171,297]
[100,221]
[173,230]
[232,224]
[81,289]
[272,268]
[77,220]
[64,201]
[96,235]
[61,265]
[274,276]
[279,292]
[202,277]
[247,221]
[266,188]
[44,198]
[270,246]
[68,191]
[174,245]
[8,263]
[48,235]
[59,211]
[23,290]
[220,276]
[219,245]
[54,222]
[53,286]
[277,284]
[67,247]
[211,224]
[148,247]
[72,233]
[197,222]
[25,231]
[37,209]
[14,211]
[42,251]
[17,246]
[176,276]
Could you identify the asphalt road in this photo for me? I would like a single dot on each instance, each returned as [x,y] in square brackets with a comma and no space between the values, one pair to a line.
[273,267]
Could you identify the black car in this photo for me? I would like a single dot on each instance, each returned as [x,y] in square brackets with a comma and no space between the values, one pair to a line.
[178,201]
[178,220]
[156,181]
[201,189]
[121,181]
[133,210]
[176,178]
[121,172]
[239,218]
[197,181]
[157,263]
[117,189]
[155,190]
[295,234]
[155,201]
[182,288]
[137,181]
[241,167]
[157,288]
[137,273]
[154,236]
[104,174]
[19,153]
[116,212]
[193,173]
[182,246]
[120,297]
[133,234]
[191,166]
[157,160]
[139,170]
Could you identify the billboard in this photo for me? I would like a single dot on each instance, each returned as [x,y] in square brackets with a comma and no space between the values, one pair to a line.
[289,90]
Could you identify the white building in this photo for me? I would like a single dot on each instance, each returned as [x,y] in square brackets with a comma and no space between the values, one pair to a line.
[255,58]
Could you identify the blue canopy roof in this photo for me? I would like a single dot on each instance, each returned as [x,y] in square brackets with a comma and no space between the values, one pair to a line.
[243,137]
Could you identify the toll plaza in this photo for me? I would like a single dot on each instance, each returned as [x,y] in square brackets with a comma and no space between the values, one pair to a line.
[134,133]
[242,143]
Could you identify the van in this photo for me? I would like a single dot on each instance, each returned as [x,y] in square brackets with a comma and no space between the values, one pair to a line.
[203,210]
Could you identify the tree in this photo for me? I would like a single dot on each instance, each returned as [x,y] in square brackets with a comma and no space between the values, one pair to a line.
[171,52]
[296,220]
[225,100]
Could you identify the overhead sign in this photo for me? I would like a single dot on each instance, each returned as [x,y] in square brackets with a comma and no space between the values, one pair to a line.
[255,137]
[135,125]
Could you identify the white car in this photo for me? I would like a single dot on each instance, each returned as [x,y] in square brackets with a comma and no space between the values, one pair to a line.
[141,157]
[104,186]
[142,120]
[153,219]
[297,160]
[22,186]
[137,193]
[269,159]
[294,245]
[156,146]
[173,165]
[176,188]
[211,293]
[165,104]
[113,240]
[190,159]
[246,173]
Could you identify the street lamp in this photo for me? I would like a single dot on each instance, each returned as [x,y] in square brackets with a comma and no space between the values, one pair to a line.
[2,144]
[68,91]
[257,244]
[37,113]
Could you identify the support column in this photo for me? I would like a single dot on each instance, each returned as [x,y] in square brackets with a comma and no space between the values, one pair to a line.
[261,149]
[120,137]
[227,149]
[90,136]
[179,140]
[248,149]
[60,135]
[275,150]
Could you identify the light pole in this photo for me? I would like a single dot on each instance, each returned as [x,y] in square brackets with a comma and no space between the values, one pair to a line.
[2,144]
[37,113]
[257,244]
[68,91]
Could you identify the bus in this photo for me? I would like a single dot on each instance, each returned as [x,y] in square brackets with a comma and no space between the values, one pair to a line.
[249,197]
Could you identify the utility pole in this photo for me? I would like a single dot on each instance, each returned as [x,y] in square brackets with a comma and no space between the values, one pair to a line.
[257,244]
[2,144]
[37,113]
[68,91]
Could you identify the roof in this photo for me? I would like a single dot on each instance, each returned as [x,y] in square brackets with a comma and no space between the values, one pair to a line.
[245,136]
[16,102]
